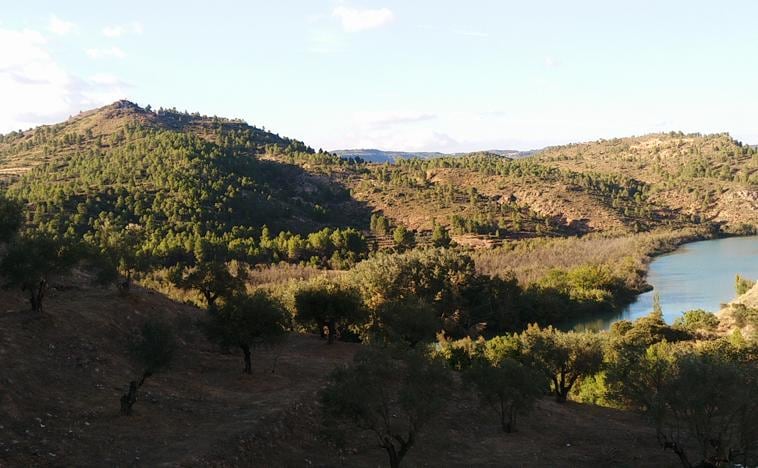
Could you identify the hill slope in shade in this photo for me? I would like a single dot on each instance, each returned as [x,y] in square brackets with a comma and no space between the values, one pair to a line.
[63,375]
[166,168]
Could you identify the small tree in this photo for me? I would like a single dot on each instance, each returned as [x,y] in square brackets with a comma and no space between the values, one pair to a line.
[152,351]
[742,284]
[440,236]
[324,303]
[698,319]
[11,217]
[120,249]
[392,398]
[404,239]
[564,358]
[247,321]
[31,261]
[509,387]
[212,279]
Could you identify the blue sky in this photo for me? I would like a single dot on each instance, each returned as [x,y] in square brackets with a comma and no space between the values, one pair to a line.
[399,75]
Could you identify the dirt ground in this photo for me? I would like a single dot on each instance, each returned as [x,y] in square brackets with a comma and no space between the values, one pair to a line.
[61,376]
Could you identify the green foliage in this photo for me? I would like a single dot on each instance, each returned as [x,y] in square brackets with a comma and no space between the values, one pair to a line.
[154,348]
[206,271]
[409,320]
[742,285]
[32,260]
[564,358]
[700,397]
[403,238]
[698,319]
[509,387]
[323,303]
[392,398]
[247,321]
[11,217]
[440,236]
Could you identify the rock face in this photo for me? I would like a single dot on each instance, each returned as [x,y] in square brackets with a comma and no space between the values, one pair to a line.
[741,314]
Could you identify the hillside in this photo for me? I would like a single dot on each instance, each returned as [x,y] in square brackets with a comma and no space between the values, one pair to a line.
[177,178]
[63,374]
[711,176]
[741,314]
[182,177]
[380,156]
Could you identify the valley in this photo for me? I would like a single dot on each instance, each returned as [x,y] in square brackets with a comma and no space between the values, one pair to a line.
[254,289]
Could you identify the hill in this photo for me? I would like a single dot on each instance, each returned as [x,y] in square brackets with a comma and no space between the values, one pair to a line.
[177,176]
[380,156]
[182,177]
[710,176]
[63,374]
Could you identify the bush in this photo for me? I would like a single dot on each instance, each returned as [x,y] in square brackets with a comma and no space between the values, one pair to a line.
[698,319]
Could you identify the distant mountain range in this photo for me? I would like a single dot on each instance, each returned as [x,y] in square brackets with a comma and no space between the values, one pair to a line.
[380,156]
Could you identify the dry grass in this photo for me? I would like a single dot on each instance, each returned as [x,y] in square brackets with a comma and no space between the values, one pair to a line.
[63,374]
[626,256]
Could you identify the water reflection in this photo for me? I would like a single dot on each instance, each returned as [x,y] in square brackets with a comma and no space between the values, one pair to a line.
[699,275]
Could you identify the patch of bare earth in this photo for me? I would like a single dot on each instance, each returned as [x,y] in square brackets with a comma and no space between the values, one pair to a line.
[62,375]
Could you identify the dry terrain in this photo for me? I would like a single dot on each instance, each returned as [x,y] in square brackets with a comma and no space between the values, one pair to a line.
[62,375]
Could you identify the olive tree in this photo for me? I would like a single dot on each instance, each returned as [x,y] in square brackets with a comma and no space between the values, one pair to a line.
[325,303]
[702,399]
[31,261]
[393,398]
[563,357]
[508,387]
[409,320]
[247,321]
[153,351]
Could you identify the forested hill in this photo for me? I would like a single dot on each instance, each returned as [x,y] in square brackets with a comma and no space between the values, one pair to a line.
[380,156]
[179,177]
[712,176]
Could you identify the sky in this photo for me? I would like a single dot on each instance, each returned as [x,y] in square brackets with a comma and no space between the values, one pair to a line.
[418,75]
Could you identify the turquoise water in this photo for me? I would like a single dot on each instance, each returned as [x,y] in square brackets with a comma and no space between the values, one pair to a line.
[698,275]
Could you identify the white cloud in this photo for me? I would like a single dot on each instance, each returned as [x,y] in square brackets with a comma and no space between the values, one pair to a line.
[35,89]
[354,20]
[112,52]
[471,33]
[119,30]
[59,26]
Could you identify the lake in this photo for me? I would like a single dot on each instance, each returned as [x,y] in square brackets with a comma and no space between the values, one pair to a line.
[698,275]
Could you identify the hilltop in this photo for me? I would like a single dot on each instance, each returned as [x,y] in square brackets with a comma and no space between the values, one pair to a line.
[381,156]
[711,176]
[175,172]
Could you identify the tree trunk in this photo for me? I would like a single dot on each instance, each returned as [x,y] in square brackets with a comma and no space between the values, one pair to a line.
[126,285]
[35,296]
[394,458]
[248,360]
[332,331]
[560,396]
[130,398]
[507,416]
